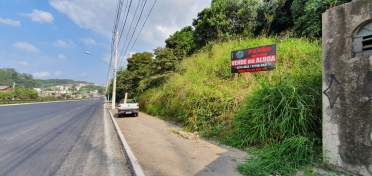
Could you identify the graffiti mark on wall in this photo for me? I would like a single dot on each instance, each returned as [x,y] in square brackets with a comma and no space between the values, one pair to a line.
[332,102]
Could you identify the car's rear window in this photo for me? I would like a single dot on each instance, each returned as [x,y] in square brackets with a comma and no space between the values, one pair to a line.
[131,101]
[128,101]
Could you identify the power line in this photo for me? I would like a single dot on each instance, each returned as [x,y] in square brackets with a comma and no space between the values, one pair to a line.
[118,12]
[141,28]
[123,26]
[130,28]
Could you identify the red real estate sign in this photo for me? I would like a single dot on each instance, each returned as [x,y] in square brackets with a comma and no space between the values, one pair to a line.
[261,58]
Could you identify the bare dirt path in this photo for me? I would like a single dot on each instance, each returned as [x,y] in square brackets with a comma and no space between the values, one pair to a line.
[162,149]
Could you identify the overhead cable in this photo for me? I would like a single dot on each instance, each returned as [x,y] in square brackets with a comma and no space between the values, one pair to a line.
[134,30]
[141,28]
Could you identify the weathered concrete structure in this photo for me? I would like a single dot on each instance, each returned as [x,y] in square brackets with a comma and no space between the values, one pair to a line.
[347,87]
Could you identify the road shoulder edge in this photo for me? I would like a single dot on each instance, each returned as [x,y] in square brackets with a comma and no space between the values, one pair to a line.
[133,162]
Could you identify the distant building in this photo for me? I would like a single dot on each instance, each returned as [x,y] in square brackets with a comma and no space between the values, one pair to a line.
[5,88]
[37,90]
[61,89]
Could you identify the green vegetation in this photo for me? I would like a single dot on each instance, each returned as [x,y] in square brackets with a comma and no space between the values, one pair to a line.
[24,84]
[281,159]
[278,109]
[19,94]
[9,75]
[90,88]
[277,113]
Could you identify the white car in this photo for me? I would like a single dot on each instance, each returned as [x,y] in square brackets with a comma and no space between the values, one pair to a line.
[131,107]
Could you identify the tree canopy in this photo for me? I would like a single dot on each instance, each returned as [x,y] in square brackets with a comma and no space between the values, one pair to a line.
[8,76]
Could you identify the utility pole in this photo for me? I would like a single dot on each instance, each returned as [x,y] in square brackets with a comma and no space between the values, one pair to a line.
[115,65]
[13,90]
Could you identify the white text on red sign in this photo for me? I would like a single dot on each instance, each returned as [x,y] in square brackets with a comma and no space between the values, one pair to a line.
[271,58]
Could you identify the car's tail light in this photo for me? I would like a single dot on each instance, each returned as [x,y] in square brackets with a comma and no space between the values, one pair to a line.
[137,104]
[119,105]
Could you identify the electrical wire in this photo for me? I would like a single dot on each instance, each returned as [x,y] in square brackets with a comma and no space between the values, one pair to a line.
[141,28]
[116,23]
[130,28]
[125,21]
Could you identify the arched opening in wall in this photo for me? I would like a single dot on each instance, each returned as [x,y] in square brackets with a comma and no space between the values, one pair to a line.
[362,40]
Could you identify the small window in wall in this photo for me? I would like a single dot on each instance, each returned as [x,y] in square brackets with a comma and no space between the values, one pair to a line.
[363,41]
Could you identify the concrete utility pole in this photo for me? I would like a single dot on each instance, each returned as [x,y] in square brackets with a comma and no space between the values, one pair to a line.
[13,90]
[115,65]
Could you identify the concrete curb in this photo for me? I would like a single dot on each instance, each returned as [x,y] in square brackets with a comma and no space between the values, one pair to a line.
[133,162]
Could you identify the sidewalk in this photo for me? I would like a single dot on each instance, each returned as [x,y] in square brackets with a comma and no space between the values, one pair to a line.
[162,148]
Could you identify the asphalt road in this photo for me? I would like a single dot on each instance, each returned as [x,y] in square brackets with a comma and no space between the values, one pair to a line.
[60,138]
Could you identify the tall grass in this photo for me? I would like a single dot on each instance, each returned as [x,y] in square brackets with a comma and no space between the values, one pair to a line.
[281,159]
[273,109]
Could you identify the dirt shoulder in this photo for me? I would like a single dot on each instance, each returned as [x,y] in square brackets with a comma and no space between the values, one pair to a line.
[163,149]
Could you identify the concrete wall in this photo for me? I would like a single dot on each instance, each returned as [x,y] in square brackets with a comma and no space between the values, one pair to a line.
[347,89]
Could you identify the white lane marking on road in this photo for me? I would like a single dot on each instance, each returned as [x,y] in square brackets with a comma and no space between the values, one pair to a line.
[18,134]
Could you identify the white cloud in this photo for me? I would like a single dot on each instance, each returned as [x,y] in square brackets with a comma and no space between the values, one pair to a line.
[161,29]
[22,63]
[57,73]
[99,16]
[26,46]
[88,41]
[10,22]
[60,43]
[61,56]
[63,44]
[83,74]
[40,16]
[131,54]
[166,22]
[40,74]
[95,15]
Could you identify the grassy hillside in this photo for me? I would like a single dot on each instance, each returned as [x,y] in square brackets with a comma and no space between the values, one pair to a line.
[272,109]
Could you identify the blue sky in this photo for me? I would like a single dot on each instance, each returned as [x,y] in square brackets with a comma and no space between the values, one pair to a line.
[47,38]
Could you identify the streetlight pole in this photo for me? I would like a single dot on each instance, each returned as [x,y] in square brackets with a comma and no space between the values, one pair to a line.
[87,52]
[107,82]
[113,99]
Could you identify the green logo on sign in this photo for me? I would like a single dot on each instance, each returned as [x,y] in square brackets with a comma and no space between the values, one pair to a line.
[239,54]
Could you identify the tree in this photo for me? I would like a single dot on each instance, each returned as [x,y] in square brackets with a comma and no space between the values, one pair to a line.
[182,42]
[138,68]
[307,15]
[25,93]
[225,19]
[274,17]
[6,95]
[10,75]
[162,67]
[73,89]
[204,31]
